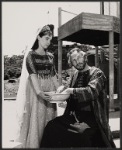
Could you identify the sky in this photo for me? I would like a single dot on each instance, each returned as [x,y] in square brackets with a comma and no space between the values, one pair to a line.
[20,20]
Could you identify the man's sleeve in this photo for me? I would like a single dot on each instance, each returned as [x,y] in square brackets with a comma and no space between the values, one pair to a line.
[92,90]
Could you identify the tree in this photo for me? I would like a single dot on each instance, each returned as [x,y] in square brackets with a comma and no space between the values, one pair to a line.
[12,66]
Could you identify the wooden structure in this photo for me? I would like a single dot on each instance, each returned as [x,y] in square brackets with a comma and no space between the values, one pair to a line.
[92,29]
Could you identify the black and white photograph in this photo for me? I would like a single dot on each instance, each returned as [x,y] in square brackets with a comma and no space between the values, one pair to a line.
[61,74]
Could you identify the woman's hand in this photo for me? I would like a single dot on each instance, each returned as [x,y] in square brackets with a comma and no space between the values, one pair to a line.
[44,96]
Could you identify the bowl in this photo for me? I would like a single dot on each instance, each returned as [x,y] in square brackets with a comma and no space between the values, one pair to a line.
[50,93]
[58,97]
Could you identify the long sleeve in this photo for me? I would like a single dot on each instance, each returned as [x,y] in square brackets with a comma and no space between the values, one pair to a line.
[92,90]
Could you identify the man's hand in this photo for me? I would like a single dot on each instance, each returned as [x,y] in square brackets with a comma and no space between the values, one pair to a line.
[60,89]
[79,127]
[68,90]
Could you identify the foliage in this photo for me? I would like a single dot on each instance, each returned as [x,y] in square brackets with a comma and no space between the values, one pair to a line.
[12,66]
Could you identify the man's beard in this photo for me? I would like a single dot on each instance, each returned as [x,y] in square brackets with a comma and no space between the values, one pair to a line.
[81,68]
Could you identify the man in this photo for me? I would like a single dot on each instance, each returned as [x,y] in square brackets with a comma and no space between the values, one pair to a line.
[85,120]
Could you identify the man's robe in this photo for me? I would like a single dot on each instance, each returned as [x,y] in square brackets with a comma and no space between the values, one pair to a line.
[95,91]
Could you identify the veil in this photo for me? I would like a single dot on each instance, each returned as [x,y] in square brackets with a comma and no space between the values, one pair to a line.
[21,94]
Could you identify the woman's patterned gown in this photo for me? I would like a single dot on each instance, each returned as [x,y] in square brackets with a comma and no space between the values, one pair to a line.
[38,111]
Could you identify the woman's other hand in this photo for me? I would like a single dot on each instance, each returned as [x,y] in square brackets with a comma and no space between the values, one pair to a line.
[45,96]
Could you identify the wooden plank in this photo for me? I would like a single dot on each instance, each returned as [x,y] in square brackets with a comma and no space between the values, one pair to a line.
[72,26]
[88,21]
[111,68]
[97,22]
[9,98]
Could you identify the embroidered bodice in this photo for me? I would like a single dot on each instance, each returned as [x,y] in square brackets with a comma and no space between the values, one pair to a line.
[40,64]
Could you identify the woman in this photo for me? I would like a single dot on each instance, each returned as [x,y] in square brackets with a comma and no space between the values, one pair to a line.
[38,76]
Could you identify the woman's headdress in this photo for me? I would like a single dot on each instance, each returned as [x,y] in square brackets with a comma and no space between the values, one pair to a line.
[46,30]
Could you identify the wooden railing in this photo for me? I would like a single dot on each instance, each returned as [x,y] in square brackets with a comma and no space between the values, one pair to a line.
[10,98]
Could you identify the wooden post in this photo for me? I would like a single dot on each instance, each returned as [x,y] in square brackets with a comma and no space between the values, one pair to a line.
[118,9]
[59,50]
[109,8]
[118,64]
[102,7]
[120,80]
[111,68]
[102,56]
[96,57]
